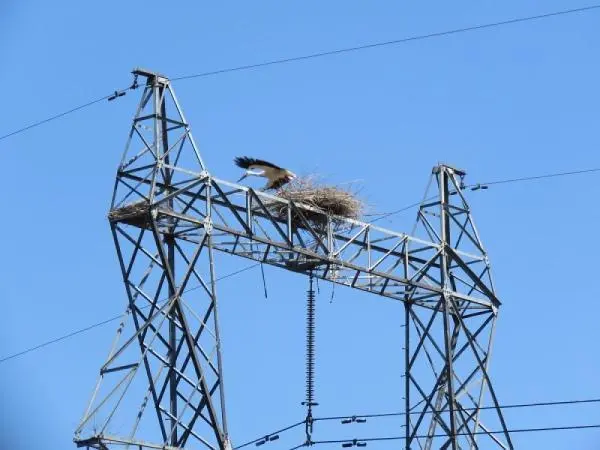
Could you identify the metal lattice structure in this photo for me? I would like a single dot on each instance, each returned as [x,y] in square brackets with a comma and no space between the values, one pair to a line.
[162,384]
[448,343]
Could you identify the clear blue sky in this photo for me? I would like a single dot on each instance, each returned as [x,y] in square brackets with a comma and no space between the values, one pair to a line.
[500,103]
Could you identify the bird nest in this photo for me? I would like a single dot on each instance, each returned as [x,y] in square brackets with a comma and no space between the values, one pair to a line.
[136,214]
[324,202]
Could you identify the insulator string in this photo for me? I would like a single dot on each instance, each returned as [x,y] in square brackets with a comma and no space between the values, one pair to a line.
[310,357]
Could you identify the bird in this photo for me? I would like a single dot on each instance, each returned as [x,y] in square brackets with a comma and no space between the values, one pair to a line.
[276,175]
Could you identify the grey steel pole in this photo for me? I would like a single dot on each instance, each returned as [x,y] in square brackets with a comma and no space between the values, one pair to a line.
[449,348]
[170,243]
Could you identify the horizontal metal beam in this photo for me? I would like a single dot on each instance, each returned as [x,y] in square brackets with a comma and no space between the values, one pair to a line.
[341,250]
[102,442]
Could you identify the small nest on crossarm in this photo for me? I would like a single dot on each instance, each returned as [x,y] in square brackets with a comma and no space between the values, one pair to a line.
[132,214]
[328,200]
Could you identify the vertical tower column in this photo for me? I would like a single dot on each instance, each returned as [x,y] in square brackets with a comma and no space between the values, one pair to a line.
[449,334]
[162,383]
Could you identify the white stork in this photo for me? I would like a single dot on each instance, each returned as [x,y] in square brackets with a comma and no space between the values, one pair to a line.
[276,175]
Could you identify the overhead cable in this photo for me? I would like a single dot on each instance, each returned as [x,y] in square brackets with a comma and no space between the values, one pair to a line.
[478,186]
[469,433]
[391,42]
[122,92]
[104,322]
[109,97]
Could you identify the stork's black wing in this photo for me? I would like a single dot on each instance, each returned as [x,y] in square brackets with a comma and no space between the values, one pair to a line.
[278,183]
[244,162]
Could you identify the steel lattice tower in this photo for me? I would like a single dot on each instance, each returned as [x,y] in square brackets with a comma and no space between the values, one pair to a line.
[173,349]
[161,386]
[449,332]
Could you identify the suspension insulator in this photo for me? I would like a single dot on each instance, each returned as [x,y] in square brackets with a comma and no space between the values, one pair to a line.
[310,343]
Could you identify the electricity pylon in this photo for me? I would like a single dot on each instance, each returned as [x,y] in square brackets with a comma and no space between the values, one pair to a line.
[450,401]
[161,386]
[168,357]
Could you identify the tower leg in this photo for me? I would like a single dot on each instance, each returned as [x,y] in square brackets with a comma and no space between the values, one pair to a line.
[448,336]
[168,352]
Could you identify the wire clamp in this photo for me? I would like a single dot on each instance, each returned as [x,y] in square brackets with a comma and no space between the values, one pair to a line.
[354,419]
[116,94]
[354,443]
[267,438]
[134,84]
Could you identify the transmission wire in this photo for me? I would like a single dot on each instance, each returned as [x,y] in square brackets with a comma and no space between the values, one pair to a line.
[104,322]
[489,183]
[511,406]
[392,42]
[70,111]
[514,430]
[321,54]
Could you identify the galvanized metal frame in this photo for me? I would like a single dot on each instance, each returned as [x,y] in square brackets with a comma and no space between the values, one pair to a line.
[169,215]
[451,341]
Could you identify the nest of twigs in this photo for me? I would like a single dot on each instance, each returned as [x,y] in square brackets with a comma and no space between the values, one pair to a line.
[136,213]
[325,201]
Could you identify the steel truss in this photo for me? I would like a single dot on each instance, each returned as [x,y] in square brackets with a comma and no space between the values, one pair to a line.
[448,345]
[169,215]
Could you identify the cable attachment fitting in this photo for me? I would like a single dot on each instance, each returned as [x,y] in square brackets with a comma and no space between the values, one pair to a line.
[134,84]
[308,427]
[354,419]
[354,443]
[479,186]
[267,438]
[117,94]
[462,180]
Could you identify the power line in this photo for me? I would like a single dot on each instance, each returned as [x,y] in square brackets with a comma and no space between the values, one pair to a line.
[104,322]
[366,416]
[478,186]
[392,42]
[514,430]
[61,338]
[117,94]
[398,211]
[109,97]
[510,406]
[539,177]
[273,434]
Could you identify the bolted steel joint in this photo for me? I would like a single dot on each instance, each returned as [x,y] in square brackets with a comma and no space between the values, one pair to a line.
[208,226]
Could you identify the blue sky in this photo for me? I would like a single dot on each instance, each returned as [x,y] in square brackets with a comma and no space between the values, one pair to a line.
[501,103]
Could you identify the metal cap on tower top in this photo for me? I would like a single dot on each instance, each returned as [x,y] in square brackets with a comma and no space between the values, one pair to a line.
[138,71]
[457,171]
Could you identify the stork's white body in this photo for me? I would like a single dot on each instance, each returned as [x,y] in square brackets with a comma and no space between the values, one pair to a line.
[276,176]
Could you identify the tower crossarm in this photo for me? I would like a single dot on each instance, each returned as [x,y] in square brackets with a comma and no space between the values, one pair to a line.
[279,232]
